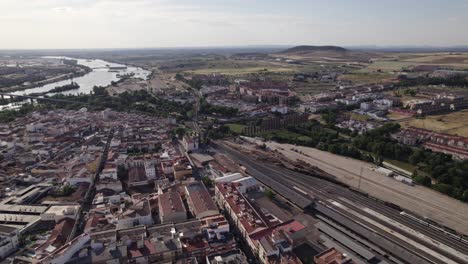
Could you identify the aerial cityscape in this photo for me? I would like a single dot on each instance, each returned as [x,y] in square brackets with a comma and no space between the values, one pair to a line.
[324,132]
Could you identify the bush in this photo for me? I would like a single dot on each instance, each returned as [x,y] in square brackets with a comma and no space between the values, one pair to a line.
[269,193]
[443,188]
[423,180]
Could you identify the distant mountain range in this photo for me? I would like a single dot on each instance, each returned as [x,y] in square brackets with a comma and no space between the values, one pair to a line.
[309,49]
[264,49]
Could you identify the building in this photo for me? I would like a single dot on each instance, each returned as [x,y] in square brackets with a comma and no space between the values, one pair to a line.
[64,253]
[110,173]
[8,240]
[243,215]
[317,107]
[332,256]
[57,238]
[58,212]
[170,242]
[190,143]
[229,177]
[269,239]
[137,214]
[439,104]
[171,208]
[234,256]
[277,123]
[276,243]
[150,169]
[107,184]
[199,200]
[182,170]
[137,176]
[438,142]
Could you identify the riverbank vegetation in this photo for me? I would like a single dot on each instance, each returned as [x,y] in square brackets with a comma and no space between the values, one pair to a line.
[22,78]
[138,101]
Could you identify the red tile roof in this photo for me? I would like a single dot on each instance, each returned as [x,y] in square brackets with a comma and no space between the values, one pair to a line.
[170,202]
[200,198]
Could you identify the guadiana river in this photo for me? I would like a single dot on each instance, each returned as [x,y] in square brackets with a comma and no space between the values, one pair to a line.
[101,75]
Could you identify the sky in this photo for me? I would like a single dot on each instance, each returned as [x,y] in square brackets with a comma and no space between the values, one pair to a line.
[85,24]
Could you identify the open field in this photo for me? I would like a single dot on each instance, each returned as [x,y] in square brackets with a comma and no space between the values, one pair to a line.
[400,61]
[240,71]
[421,200]
[162,81]
[387,66]
[313,88]
[406,98]
[331,56]
[237,128]
[397,117]
[441,58]
[358,77]
[455,123]
[359,117]
[403,165]
[283,133]
[129,85]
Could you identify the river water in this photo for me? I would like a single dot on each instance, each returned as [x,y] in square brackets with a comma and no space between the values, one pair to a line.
[100,76]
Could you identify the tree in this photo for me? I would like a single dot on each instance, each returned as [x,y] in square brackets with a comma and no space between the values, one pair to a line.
[421,179]
[67,190]
[207,181]
[269,193]
[465,195]
[443,188]
[416,157]
[180,132]
[330,117]
[100,91]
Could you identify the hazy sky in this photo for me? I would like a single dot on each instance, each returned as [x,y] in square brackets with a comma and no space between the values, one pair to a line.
[190,23]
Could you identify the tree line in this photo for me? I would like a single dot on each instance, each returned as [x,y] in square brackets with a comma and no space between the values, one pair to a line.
[455,81]
[137,101]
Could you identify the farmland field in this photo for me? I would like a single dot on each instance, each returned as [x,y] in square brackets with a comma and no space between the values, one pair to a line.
[459,60]
[366,78]
[238,71]
[455,123]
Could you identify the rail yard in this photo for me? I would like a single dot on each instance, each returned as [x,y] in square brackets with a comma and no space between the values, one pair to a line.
[377,231]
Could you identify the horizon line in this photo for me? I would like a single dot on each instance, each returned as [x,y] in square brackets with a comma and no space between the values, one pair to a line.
[368,46]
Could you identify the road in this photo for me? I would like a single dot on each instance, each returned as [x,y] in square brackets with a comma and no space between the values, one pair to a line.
[422,243]
[89,196]
[41,98]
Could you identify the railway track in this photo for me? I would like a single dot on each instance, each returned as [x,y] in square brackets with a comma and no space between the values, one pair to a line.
[326,198]
[376,183]
[326,191]
[381,208]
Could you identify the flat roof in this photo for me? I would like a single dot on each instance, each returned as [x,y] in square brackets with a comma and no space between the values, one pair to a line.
[18,218]
[59,209]
[200,198]
[22,208]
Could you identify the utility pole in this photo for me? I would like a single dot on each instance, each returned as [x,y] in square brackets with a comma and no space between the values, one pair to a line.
[360,177]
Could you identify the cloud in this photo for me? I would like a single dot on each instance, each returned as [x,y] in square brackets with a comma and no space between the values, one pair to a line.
[156,23]
[62,9]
